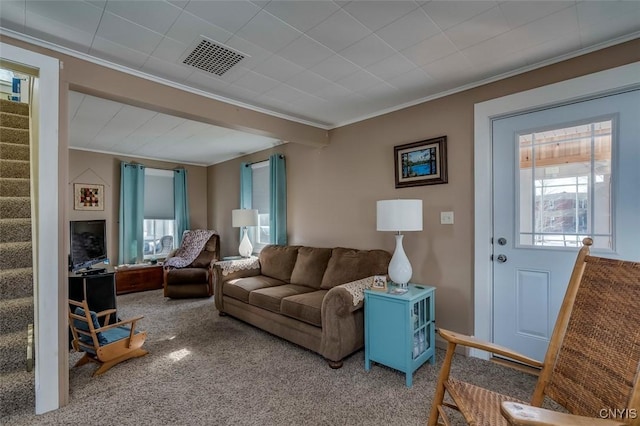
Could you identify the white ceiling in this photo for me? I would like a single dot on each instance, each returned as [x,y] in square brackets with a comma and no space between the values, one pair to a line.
[326,63]
[102,125]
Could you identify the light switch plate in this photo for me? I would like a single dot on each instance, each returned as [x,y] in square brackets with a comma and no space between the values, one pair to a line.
[446,218]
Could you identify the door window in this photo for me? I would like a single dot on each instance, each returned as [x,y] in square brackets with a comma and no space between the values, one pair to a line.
[565,186]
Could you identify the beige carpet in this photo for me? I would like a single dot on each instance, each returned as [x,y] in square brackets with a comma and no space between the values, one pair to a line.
[204,369]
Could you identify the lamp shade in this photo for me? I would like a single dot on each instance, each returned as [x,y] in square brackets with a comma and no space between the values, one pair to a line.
[244,217]
[399,215]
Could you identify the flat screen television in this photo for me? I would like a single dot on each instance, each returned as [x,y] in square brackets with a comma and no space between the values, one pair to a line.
[88,243]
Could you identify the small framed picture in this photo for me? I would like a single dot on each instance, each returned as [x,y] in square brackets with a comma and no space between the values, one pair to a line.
[379,283]
[88,196]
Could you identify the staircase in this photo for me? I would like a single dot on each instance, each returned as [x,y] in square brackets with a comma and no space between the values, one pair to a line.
[17,387]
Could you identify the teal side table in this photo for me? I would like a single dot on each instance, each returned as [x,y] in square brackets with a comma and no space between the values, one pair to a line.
[399,329]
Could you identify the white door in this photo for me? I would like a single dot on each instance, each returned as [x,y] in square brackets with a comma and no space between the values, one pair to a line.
[559,175]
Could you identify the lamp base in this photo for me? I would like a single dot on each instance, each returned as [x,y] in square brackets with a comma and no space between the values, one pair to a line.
[399,268]
[245,248]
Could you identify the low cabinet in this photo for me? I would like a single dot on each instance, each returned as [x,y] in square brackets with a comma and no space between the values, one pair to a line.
[399,329]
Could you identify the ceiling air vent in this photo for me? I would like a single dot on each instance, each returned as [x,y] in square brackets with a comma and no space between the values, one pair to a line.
[212,57]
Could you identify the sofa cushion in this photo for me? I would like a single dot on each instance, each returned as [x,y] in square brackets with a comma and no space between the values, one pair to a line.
[270,298]
[278,261]
[310,266]
[347,265]
[187,276]
[241,287]
[305,307]
[208,253]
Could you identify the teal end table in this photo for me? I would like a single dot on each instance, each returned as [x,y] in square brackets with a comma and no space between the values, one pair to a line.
[399,329]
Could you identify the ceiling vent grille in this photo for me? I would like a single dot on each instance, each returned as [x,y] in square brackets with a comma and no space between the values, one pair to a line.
[212,58]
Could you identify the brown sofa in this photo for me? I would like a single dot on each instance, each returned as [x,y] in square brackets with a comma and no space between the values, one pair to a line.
[306,295]
[196,279]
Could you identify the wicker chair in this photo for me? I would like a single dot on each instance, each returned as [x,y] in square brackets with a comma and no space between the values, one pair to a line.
[592,365]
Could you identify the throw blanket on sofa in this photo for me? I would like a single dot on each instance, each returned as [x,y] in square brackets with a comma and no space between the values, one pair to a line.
[192,244]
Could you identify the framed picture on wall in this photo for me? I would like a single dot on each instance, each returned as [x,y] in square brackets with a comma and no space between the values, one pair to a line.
[88,196]
[421,163]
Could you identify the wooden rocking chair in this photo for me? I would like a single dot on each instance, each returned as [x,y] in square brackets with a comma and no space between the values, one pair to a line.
[592,364]
[105,345]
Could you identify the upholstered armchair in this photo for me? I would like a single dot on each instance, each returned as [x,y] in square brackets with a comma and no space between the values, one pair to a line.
[195,279]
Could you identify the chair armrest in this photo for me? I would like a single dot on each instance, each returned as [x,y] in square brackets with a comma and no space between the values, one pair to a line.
[461,339]
[525,415]
[131,321]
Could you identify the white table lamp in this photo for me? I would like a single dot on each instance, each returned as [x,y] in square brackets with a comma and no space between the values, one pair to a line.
[241,218]
[398,216]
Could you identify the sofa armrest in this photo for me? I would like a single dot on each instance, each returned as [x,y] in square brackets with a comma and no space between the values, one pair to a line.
[343,319]
[351,295]
[225,270]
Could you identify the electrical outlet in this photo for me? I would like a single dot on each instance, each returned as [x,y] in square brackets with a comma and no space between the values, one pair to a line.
[446,218]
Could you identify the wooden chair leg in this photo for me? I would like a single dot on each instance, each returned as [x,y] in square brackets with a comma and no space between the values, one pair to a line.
[82,361]
[438,398]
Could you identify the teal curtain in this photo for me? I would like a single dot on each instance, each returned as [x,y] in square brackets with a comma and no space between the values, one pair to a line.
[130,243]
[246,185]
[278,204]
[181,203]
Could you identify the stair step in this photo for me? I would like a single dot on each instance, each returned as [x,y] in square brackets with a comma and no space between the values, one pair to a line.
[14,151]
[15,187]
[15,207]
[14,107]
[15,230]
[14,121]
[17,393]
[13,351]
[15,169]
[16,283]
[16,255]
[16,314]
[16,136]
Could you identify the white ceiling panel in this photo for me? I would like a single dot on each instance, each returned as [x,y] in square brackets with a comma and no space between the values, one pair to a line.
[360,80]
[278,68]
[268,32]
[339,31]
[410,29]
[153,14]
[255,82]
[170,50]
[367,51]
[317,61]
[518,13]
[391,67]
[125,33]
[430,50]
[303,15]
[189,28]
[230,15]
[479,28]
[308,81]
[376,14]
[117,53]
[306,52]
[13,15]
[335,68]
[447,14]
[83,16]
[57,33]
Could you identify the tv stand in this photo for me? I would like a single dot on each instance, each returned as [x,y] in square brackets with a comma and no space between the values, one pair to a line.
[92,271]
